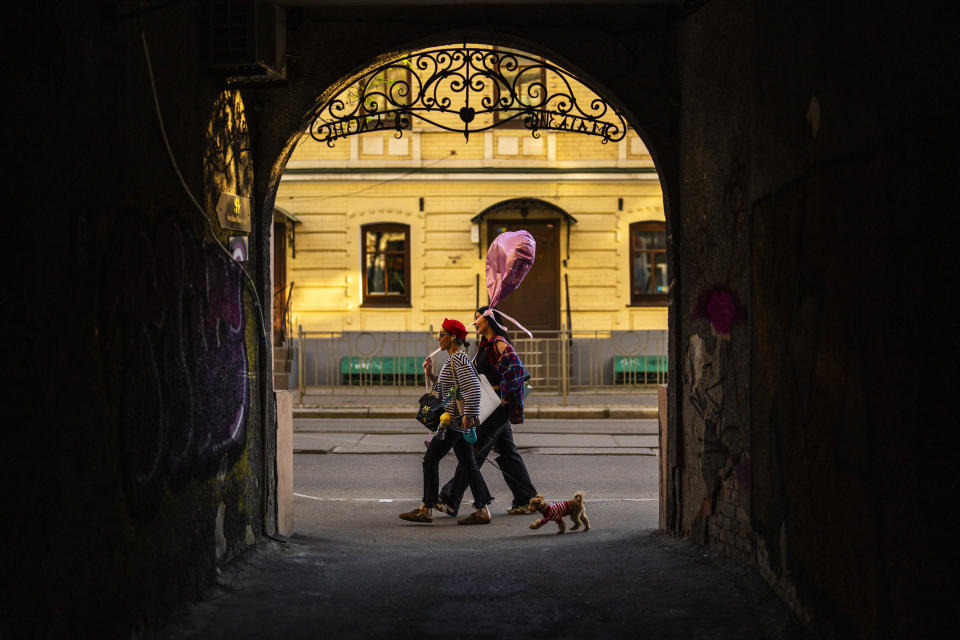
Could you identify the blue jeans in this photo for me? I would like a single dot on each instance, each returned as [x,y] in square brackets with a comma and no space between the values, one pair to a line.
[465,459]
[494,432]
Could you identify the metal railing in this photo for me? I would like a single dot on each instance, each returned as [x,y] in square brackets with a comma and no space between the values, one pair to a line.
[584,360]
[563,361]
[328,361]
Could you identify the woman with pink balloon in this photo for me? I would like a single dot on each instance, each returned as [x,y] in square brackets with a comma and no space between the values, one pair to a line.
[509,259]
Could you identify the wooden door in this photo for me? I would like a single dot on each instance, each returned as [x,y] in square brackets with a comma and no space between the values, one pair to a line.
[536,303]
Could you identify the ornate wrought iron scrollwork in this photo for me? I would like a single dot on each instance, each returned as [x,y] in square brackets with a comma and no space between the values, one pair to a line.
[450,88]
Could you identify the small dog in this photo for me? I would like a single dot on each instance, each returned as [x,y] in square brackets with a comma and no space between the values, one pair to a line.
[555,511]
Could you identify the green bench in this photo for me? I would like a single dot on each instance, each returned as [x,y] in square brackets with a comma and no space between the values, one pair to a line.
[639,369]
[385,370]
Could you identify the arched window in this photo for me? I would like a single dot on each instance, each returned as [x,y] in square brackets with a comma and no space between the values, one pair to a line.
[386,264]
[649,281]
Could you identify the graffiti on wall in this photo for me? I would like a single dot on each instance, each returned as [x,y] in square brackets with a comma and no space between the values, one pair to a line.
[720,443]
[705,367]
[721,308]
[172,334]
[713,393]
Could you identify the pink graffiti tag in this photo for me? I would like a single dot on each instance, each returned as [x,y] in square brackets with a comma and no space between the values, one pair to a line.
[720,307]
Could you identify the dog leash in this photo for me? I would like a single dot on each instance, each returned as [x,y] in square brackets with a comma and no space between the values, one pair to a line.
[507,475]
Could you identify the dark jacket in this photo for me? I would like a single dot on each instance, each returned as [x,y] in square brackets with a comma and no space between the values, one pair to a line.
[505,372]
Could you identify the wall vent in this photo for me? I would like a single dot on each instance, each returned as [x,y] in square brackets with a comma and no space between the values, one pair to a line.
[247,40]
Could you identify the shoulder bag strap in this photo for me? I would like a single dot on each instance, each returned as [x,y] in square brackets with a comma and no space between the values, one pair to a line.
[461,403]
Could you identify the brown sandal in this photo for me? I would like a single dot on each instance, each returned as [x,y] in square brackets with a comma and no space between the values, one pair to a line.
[417,515]
[475,518]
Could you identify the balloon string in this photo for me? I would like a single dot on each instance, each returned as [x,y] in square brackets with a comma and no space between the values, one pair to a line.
[489,312]
[514,321]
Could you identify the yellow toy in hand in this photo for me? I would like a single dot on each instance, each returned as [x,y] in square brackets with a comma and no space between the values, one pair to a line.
[445,419]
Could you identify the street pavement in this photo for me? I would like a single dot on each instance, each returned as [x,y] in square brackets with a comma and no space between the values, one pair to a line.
[364,494]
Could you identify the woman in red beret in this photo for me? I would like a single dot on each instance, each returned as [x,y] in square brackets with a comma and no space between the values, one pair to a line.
[459,371]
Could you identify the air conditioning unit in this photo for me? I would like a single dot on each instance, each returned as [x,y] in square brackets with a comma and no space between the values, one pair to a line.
[247,41]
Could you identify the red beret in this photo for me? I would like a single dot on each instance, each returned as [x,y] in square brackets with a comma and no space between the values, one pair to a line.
[455,327]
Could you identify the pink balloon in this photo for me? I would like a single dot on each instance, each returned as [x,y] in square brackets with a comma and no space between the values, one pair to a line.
[509,259]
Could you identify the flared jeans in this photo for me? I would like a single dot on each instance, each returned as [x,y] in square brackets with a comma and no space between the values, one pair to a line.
[465,460]
[494,432]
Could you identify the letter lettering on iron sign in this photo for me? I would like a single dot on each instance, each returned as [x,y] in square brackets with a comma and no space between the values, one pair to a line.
[563,125]
[583,126]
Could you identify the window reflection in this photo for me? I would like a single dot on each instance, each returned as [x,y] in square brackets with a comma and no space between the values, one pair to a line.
[649,281]
[386,263]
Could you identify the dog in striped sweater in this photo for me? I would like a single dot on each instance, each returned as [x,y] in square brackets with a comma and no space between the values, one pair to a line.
[555,511]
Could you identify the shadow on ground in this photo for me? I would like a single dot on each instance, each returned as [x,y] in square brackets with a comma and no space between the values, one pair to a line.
[615,583]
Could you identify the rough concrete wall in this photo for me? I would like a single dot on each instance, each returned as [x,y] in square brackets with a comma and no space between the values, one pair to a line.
[133,450]
[712,234]
[813,176]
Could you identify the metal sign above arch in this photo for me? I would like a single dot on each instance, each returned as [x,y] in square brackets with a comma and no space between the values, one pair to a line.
[467,89]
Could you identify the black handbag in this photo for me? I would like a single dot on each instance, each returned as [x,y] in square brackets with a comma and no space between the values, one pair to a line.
[431,408]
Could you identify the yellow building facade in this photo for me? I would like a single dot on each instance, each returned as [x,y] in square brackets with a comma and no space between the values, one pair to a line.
[392,230]
[435,184]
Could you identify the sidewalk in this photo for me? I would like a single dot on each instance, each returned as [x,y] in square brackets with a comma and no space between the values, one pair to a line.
[582,437]
[401,402]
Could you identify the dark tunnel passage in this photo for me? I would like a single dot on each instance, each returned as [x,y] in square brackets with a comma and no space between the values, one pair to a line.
[802,153]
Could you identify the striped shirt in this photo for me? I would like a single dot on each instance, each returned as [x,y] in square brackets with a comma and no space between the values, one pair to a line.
[556,512]
[468,387]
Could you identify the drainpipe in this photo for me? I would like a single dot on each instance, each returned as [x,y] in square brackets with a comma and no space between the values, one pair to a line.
[300,365]
[566,285]
[563,364]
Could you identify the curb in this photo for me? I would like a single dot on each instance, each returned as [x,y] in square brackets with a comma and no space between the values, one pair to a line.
[532,413]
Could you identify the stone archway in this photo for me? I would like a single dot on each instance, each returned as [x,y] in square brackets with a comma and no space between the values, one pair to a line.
[285,117]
